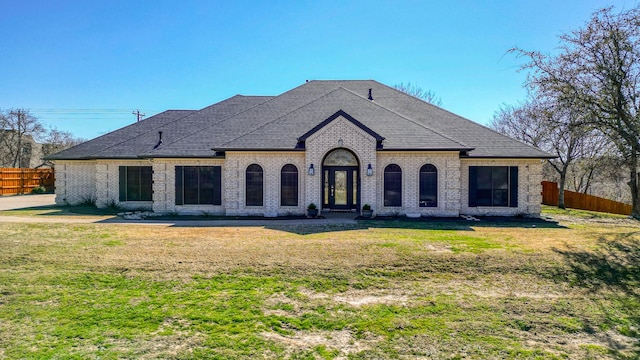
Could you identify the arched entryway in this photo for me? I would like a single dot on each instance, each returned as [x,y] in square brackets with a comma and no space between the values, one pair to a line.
[340,180]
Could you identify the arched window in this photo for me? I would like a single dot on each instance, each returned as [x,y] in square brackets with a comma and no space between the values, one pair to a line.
[289,185]
[428,186]
[392,185]
[340,157]
[254,185]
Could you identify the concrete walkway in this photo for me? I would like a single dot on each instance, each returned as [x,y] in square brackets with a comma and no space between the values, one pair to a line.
[26,201]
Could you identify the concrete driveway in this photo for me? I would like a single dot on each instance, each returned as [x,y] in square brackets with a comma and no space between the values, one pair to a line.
[26,201]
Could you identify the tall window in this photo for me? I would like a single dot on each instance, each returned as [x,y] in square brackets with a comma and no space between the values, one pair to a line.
[493,186]
[135,183]
[289,185]
[428,186]
[254,185]
[392,185]
[198,185]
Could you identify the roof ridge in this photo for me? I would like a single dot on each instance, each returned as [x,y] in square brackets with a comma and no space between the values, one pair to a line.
[462,117]
[215,123]
[283,115]
[133,137]
[411,120]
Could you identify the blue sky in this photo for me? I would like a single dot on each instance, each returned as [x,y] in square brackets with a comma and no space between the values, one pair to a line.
[84,66]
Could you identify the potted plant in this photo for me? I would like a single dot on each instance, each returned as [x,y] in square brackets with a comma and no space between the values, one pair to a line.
[366,211]
[312,210]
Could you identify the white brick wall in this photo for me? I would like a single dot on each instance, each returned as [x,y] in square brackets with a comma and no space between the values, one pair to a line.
[340,133]
[236,164]
[108,184]
[79,181]
[164,189]
[529,188]
[75,182]
[448,166]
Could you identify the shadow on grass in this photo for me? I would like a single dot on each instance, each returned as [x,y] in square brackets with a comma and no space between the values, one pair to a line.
[297,224]
[614,264]
[613,270]
[64,210]
[458,224]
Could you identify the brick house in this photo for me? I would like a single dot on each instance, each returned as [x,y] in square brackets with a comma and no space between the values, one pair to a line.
[337,144]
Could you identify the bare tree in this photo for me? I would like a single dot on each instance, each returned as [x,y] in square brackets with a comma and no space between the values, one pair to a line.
[523,122]
[18,132]
[416,91]
[56,140]
[599,65]
[556,128]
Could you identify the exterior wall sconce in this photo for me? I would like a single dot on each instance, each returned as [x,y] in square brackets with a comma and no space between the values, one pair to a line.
[369,170]
[311,170]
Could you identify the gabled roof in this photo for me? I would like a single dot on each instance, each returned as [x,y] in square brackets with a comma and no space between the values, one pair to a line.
[341,113]
[400,121]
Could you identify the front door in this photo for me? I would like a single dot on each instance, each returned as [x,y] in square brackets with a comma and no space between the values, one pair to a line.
[340,190]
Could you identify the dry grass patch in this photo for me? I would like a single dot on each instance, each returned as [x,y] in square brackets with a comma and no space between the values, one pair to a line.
[338,344]
[388,290]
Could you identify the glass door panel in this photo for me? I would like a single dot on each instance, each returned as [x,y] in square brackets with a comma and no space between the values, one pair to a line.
[340,190]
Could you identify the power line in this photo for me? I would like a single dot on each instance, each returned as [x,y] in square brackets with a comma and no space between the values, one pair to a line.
[138,114]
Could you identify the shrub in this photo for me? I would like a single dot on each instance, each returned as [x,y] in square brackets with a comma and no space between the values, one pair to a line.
[39,190]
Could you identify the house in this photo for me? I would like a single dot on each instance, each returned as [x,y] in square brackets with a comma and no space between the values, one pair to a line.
[19,150]
[337,144]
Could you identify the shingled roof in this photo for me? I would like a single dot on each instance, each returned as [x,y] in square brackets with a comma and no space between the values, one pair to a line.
[248,123]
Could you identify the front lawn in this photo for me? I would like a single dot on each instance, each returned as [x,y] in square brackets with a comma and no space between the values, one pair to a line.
[379,289]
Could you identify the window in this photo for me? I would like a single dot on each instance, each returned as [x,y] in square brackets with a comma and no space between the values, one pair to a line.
[493,186]
[198,185]
[135,183]
[254,185]
[340,157]
[289,185]
[428,186]
[392,185]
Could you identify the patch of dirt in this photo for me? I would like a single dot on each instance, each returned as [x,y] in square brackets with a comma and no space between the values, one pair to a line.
[282,305]
[500,293]
[177,341]
[343,341]
[359,298]
[438,248]
[607,340]
[277,300]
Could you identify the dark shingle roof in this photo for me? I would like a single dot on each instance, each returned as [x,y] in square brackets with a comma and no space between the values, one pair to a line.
[141,137]
[277,123]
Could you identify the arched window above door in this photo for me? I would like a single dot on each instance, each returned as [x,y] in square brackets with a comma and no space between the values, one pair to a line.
[340,157]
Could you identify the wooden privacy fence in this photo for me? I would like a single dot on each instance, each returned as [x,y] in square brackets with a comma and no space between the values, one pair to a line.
[23,180]
[575,200]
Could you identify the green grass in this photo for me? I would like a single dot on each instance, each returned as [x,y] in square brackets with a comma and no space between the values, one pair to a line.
[378,290]
[583,214]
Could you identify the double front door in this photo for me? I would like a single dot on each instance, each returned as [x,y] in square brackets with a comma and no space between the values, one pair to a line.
[340,187]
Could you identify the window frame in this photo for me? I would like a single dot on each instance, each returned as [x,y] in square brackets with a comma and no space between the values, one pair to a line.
[426,172]
[204,188]
[135,179]
[289,177]
[254,185]
[488,188]
[392,185]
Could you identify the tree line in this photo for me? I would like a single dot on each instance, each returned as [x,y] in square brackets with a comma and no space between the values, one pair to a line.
[25,142]
[584,105]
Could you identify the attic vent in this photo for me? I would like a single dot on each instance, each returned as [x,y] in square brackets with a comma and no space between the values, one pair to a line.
[370,96]
[159,140]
